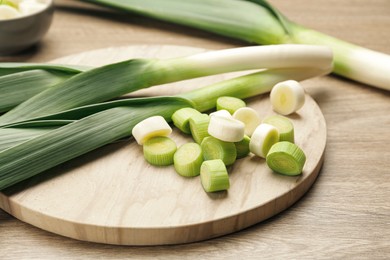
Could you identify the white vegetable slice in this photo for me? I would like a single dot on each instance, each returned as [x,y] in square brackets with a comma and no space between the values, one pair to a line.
[262,139]
[287,97]
[151,127]
[222,112]
[226,129]
[249,117]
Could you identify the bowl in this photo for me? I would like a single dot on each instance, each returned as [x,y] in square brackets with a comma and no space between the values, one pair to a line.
[19,33]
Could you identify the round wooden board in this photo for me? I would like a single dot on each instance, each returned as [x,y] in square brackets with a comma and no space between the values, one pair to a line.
[113,196]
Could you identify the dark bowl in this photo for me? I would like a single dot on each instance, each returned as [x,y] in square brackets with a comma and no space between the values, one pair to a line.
[20,33]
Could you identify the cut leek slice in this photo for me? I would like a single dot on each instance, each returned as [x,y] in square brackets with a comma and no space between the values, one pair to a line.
[214,176]
[159,150]
[181,118]
[231,104]
[188,159]
[226,129]
[287,97]
[249,117]
[222,113]
[198,127]
[286,158]
[151,127]
[284,125]
[214,148]
[262,139]
[242,147]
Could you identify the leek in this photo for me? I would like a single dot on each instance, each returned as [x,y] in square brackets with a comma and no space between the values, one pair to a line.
[110,81]
[257,21]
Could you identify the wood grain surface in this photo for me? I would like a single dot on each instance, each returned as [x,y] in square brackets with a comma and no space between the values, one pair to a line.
[346,213]
[112,195]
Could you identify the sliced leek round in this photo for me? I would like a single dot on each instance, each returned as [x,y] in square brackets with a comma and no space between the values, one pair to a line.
[188,159]
[262,139]
[230,104]
[214,176]
[287,97]
[214,148]
[181,118]
[226,129]
[159,150]
[249,117]
[198,127]
[222,112]
[284,125]
[151,127]
[242,147]
[286,158]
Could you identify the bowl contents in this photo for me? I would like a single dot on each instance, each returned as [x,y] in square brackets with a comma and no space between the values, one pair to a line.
[11,9]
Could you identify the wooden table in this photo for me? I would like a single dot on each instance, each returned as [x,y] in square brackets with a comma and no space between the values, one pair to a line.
[346,214]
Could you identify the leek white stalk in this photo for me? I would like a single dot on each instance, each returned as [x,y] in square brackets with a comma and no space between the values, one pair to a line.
[257,21]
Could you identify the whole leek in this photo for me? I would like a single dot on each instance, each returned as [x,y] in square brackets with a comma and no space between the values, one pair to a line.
[113,80]
[256,21]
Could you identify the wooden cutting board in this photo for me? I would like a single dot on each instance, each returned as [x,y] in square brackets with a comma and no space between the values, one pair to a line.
[113,196]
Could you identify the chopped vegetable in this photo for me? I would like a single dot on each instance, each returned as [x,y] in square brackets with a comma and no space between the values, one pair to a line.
[242,147]
[284,125]
[198,126]
[181,118]
[223,113]
[231,104]
[151,127]
[286,158]
[262,139]
[188,159]
[287,97]
[249,117]
[214,176]
[226,129]
[214,148]
[159,150]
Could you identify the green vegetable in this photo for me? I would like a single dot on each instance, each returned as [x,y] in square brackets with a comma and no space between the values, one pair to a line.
[284,125]
[159,150]
[181,118]
[188,159]
[198,127]
[286,158]
[230,104]
[242,147]
[214,148]
[214,176]
[257,21]
[262,139]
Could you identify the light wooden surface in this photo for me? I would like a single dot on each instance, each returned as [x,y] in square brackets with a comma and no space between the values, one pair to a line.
[113,196]
[345,214]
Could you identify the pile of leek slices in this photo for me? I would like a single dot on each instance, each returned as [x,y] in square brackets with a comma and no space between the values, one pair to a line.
[11,9]
[232,132]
